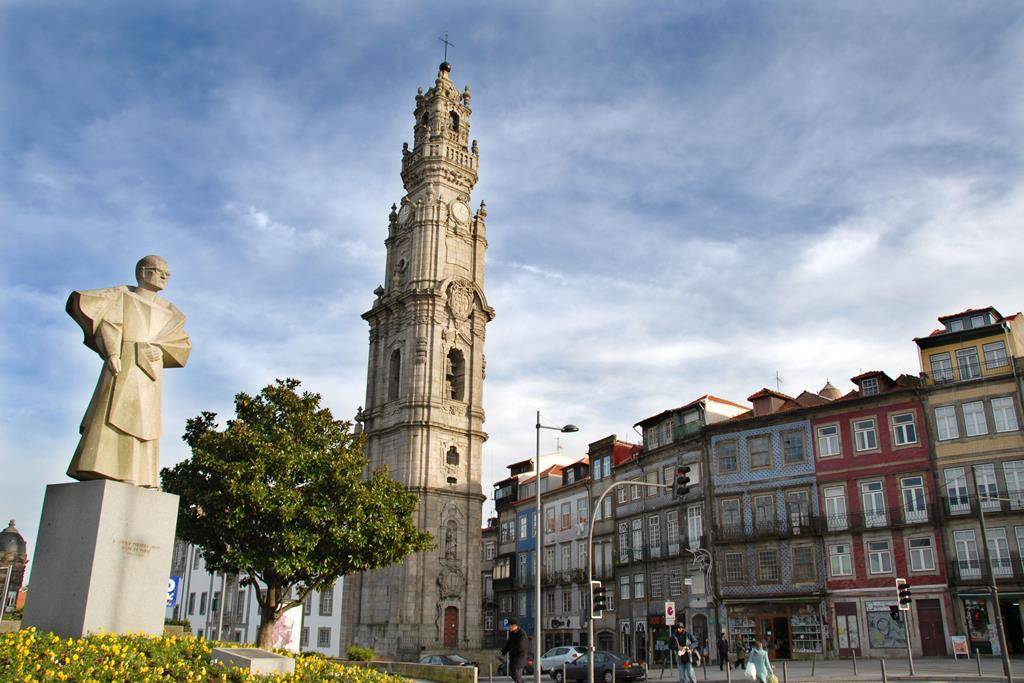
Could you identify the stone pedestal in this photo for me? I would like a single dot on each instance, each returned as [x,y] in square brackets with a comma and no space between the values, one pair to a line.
[253,660]
[103,555]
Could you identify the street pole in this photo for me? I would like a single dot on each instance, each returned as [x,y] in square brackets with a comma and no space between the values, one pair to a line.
[7,587]
[906,633]
[537,561]
[995,591]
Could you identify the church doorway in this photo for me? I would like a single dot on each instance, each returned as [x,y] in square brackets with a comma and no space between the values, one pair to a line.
[451,627]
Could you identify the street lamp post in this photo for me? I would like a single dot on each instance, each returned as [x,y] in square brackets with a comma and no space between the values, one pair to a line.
[537,552]
[992,583]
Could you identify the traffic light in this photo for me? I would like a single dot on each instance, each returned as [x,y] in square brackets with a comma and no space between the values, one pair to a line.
[903,593]
[598,600]
[682,486]
[894,612]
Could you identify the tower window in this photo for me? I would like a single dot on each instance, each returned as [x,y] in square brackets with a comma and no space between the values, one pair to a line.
[426,119]
[394,374]
[455,374]
[455,122]
[452,458]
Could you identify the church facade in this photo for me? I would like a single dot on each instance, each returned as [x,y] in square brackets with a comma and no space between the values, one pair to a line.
[423,416]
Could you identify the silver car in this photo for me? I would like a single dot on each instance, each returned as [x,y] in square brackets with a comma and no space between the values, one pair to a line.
[553,659]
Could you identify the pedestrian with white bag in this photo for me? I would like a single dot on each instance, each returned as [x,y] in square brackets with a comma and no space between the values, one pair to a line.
[758,667]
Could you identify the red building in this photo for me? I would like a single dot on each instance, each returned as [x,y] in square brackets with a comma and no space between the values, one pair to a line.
[880,518]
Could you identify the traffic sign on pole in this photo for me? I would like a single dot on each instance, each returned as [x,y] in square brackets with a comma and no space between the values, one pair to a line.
[670,614]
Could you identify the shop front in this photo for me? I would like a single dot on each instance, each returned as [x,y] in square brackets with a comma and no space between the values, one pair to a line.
[788,630]
[980,619]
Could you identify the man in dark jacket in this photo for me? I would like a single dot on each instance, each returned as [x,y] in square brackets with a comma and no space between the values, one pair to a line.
[516,648]
[685,646]
[723,650]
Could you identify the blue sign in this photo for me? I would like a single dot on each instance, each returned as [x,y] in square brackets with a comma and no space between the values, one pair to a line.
[173,584]
[504,623]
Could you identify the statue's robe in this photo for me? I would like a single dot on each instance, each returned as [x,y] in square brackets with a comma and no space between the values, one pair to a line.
[122,426]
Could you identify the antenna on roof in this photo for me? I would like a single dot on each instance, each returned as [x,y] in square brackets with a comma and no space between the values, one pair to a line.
[778,382]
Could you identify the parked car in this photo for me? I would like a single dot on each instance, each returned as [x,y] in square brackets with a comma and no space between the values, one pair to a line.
[604,662]
[553,658]
[451,659]
[527,670]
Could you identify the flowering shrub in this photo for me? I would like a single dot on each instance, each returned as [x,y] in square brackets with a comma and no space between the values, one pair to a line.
[30,656]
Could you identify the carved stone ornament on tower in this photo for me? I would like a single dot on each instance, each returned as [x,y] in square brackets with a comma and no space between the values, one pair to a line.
[423,415]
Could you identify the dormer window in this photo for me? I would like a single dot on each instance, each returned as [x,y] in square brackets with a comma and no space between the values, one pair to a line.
[869,386]
[956,325]
[978,320]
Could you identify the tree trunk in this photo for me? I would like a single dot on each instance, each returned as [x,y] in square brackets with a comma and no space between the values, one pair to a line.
[268,616]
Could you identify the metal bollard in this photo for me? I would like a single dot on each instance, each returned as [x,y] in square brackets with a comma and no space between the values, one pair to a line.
[854,663]
[785,673]
[885,678]
[490,672]
[977,658]
[645,672]
[728,672]
[814,660]
[563,673]
[613,671]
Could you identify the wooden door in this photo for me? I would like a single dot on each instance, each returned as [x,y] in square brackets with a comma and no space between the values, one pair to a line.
[451,627]
[847,629]
[929,624]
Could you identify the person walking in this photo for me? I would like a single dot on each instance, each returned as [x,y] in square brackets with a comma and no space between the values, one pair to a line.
[685,646]
[759,658]
[723,650]
[741,652]
[516,649]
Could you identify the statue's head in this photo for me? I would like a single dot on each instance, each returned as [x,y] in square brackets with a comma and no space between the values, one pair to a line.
[152,272]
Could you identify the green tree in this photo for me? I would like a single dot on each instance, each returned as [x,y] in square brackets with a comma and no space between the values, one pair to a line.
[279,496]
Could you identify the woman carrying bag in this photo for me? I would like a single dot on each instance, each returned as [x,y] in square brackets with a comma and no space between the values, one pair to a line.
[758,667]
[740,653]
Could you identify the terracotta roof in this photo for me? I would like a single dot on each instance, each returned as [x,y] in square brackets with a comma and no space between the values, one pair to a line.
[871,373]
[554,469]
[807,398]
[768,392]
[691,404]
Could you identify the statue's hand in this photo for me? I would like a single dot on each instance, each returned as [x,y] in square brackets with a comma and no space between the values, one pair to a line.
[153,353]
[114,365]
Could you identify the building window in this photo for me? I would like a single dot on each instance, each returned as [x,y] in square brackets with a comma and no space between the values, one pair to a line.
[454,122]
[523,521]
[634,491]
[731,519]
[307,604]
[191,603]
[566,511]
[726,451]
[637,526]
[694,526]
[956,490]
[652,478]
[582,510]
[609,599]
[879,557]
[638,586]
[624,587]
[999,552]
[942,367]
[922,555]
[799,509]
[672,527]
[623,542]
[657,585]
[945,423]
[904,429]
[985,483]
[839,561]
[304,637]
[620,495]
[489,622]
[793,448]
[566,601]
[202,603]
[524,564]
[873,501]
[522,604]
[1004,415]
[549,599]
[767,566]
[912,491]
[865,435]
[452,457]
[970,366]
[803,563]
[549,560]
[327,602]
[567,556]
[764,511]
[974,418]
[675,582]
[995,355]
[835,508]
[956,325]
[869,386]
[323,636]
[394,374]
[828,441]
[654,531]
[489,551]
[1013,472]
[760,451]
[967,558]
[734,567]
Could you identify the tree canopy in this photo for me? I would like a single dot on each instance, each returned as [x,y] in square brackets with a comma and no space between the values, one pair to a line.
[283,496]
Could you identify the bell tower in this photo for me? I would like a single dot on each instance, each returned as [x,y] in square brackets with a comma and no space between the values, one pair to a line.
[424,393]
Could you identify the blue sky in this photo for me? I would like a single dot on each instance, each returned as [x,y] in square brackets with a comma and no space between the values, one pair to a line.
[683,198]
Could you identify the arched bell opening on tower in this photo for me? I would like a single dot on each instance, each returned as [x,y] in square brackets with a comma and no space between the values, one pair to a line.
[452,457]
[455,121]
[455,375]
[394,374]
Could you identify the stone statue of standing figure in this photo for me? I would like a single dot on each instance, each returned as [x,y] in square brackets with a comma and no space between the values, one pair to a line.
[137,334]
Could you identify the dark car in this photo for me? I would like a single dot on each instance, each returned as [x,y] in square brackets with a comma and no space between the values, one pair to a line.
[447,660]
[604,662]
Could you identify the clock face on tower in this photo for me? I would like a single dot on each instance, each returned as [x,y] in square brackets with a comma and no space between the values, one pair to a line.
[460,212]
[405,214]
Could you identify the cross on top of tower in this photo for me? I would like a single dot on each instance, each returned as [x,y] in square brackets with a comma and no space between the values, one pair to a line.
[447,45]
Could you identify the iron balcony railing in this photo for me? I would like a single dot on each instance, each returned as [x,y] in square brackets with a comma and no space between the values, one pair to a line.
[798,525]
[864,520]
[961,504]
[659,551]
[1007,567]
[968,371]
